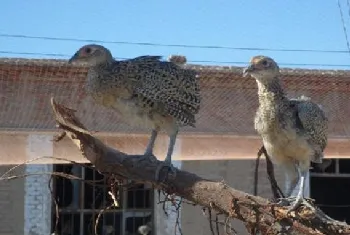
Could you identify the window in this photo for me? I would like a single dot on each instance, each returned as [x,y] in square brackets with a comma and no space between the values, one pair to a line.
[329,184]
[79,204]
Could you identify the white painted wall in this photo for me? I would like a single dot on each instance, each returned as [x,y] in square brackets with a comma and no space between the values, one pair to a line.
[166,225]
[37,198]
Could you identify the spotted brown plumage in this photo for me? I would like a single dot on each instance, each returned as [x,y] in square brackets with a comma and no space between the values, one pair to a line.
[294,131]
[145,91]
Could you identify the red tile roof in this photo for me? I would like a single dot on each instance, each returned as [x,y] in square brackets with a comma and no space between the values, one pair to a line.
[228,105]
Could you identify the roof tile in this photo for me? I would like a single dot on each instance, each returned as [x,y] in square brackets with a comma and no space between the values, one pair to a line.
[228,105]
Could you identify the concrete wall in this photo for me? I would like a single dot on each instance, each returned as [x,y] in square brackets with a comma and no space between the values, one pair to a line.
[37,201]
[37,197]
[236,173]
[193,147]
[25,203]
[165,225]
[11,203]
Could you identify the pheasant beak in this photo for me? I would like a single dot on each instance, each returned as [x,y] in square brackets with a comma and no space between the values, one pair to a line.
[73,58]
[248,70]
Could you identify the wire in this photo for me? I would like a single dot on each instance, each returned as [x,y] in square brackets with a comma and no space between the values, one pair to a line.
[192,61]
[33,53]
[167,45]
[343,23]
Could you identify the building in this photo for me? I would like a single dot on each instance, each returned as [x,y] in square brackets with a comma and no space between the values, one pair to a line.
[223,146]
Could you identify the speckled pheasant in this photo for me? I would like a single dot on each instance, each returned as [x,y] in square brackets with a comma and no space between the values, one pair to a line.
[294,131]
[146,91]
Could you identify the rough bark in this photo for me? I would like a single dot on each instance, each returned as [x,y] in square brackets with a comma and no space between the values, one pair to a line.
[255,212]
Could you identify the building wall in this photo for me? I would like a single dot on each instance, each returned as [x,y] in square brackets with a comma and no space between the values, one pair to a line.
[25,202]
[37,196]
[13,147]
[166,225]
[11,203]
[238,174]
[18,196]
[37,201]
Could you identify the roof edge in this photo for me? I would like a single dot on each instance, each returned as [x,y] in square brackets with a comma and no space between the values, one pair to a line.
[212,68]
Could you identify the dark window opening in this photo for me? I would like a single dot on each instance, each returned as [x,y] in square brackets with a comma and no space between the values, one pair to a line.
[327,166]
[344,166]
[332,193]
[79,204]
[139,197]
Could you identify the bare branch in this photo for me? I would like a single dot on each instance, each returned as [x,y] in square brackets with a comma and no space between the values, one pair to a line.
[254,211]
[276,191]
[55,202]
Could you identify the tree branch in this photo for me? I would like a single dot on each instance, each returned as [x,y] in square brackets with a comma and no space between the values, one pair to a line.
[255,212]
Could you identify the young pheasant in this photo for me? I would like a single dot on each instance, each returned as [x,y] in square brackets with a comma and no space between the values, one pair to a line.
[145,91]
[294,131]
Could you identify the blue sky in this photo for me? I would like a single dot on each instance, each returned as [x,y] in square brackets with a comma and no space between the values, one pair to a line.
[297,24]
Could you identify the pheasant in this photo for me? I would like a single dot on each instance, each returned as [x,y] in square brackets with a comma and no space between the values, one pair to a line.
[293,131]
[145,91]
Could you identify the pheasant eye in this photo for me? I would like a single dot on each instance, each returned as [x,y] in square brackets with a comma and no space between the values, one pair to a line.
[88,50]
[264,62]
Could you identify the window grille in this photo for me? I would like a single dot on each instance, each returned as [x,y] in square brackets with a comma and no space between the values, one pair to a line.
[79,204]
[329,186]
